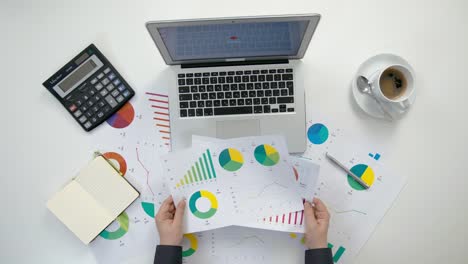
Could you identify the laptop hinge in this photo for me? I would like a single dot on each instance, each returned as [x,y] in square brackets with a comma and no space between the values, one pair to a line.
[233,63]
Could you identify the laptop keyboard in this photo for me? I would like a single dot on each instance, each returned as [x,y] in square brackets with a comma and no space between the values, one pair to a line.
[236,92]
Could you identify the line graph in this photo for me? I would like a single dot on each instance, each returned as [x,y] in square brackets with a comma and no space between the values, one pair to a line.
[145,169]
[253,238]
[269,186]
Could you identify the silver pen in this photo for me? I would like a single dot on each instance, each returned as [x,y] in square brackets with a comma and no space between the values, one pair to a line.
[350,173]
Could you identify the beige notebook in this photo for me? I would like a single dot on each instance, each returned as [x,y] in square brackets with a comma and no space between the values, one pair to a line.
[92,200]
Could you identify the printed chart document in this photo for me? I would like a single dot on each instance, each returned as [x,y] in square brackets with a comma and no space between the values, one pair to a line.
[232,182]
[92,200]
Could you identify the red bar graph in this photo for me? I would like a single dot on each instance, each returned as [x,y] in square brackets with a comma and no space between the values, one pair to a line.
[160,105]
[293,218]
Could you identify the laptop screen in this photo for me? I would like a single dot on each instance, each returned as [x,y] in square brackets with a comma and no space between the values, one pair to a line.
[240,40]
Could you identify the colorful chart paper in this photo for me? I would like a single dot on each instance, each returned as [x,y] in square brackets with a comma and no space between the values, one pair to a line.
[193,204]
[148,208]
[193,245]
[117,159]
[317,133]
[266,155]
[365,173]
[123,117]
[201,170]
[231,159]
[122,219]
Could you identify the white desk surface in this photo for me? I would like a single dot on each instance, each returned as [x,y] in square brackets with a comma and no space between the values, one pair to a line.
[41,145]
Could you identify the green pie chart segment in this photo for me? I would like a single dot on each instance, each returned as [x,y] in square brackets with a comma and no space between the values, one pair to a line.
[266,155]
[193,204]
[122,219]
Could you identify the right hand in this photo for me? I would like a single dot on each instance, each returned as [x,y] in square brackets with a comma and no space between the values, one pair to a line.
[169,221]
[317,220]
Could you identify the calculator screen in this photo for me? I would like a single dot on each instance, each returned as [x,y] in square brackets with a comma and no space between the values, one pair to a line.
[77,75]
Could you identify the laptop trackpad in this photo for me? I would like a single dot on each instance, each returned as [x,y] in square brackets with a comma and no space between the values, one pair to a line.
[237,128]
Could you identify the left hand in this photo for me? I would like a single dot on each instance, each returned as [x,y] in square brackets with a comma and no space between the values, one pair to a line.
[169,220]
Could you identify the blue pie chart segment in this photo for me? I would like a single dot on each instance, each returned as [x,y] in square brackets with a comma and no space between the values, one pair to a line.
[317,133]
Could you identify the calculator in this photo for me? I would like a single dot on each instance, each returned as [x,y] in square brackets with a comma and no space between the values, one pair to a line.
[90,88]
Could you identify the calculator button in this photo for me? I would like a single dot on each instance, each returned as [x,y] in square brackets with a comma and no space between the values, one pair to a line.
[111,76]
[84,108]
[101,103]
[89,113]
[110,87]
[87,125]
[107,109]
[120,98]
[77,113]
[100,114]
[100,75]
[72,108]
[121,87]
[90,103]
[105,81]
[104,92]
[107,70]
[91,92]
[93,120]
[115,93]
[116,82]
[110,100]
[82,119]
[99,86]
[85,97]
[95,108]
[94,81]
[126,93]
[78,102]
[96,98]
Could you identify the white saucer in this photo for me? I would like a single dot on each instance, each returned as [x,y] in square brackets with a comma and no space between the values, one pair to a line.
[369,68]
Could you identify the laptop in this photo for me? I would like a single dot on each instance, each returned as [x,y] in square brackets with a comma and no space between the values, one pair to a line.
[236,77]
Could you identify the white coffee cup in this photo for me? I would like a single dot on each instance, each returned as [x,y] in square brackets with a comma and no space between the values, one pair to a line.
[403,99]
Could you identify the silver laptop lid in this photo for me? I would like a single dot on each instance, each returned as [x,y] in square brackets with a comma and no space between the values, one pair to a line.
[233,39]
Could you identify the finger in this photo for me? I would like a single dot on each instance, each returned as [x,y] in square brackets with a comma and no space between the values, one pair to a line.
[179,214]
[164,208]
[309,211]
[319,205]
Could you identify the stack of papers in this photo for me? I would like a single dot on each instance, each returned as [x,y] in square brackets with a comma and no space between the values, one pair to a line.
[247,181]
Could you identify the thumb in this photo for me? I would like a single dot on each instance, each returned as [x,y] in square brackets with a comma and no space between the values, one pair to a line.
[179,215]
[309,211]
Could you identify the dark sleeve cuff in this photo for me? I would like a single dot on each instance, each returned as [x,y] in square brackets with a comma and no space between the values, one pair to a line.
[319,256]
[168,255]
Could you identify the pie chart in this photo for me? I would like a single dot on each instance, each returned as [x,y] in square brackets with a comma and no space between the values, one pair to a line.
[192,239]
[365,173]
[123,117]
[148,208]
[317,133]
[115,157]
[231,159]
[207,195]
[266,155]
[122,220]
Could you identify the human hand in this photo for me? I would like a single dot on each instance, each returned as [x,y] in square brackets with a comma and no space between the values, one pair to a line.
[317,220]
[169,221]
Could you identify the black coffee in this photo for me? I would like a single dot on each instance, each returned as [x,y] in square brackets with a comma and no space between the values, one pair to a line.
[393,83]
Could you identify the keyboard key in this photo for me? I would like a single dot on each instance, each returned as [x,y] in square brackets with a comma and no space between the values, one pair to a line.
[228,95]
[221,80]
[272,100]
[290,86]
[264,100]
[100,114]
[205,74]
[105,81]
[183,104]
[95,108]
[103,92]
[269,78]
[289,70]
[274,85]
[245,78]
[208,111]
[247,72]
[92,92]
[111,76]
[287,77]
[261,78]
[239,72]
[199,112]
[242,86]
[116,82]
[229,79]
[126,93]
[268,93]
[198,74]
[282,84]
[220,95]
[193,89]
[233,110]
[214,74]
[99,86]
[202,88]
[184,89]
[250,86]
[263,71]
[226,87]
[272,71]
[77,113]
[285,100]
[207,80]
[89,113]
[196,96]
[100,75]
[238,79]
[209,88]
[193,104]
[110,100]
[274,110]
[266,109]
[231,73]
[185,97]
[94,81]
[258,86]
[234,87]
[258,109]
[212,80]
[72,108]
[284,92]
[121,88]
[181,75]
[93,119]
[232,102]
[255,71]
[253,78]
[256,101]
[208,103]
[266,85]
[201,104]
[244,94]
[217,102]
[280,70]
[290,109]
[101,103]
[248,101]
[225,103]
[197,81]
[212,95]
[189,81]
[183,113]
[222,74]
[277,77]
[189,75]
[236,94]
[240,102]
[191,112]
[259,93]
[252,94]
[87,125]
[110,87]
[204,96]
[276,92]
